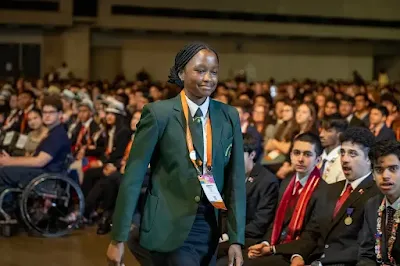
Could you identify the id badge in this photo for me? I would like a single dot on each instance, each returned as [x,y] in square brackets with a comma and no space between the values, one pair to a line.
[210,189]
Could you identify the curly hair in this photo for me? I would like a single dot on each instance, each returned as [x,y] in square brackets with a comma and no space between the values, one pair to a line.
[359,135]
[384,148]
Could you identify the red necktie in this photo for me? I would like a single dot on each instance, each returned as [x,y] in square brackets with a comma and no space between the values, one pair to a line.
[23,123]
[80,136]
[295,196]
[343,199]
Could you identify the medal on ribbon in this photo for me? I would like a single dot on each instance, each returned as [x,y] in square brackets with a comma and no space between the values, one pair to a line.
[349,220]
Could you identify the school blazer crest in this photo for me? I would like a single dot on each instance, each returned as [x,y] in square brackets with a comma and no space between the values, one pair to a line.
[174,190]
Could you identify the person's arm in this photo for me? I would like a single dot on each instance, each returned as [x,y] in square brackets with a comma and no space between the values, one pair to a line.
[39,161]
[235,189]
[264,213]
[283,146]
[146,138]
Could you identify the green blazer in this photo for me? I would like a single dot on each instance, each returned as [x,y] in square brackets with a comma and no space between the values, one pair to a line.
[174,194]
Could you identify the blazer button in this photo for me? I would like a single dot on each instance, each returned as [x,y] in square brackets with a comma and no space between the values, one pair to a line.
[326,246]
[197,199]
[323,256]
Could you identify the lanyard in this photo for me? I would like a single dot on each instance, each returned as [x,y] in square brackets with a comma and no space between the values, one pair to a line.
[189,140]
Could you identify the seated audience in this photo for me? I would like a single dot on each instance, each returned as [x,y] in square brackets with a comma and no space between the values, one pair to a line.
[331,238]
[330,167]
[377,123]
[346,110]
[331,107]
[297,199]
[362,105]
[38,133]
[380,236]
[262,196]
[49,157]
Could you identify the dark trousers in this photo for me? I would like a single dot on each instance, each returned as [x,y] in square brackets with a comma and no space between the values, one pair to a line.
[15,177]
[104,190]
[199,249]
[91,177]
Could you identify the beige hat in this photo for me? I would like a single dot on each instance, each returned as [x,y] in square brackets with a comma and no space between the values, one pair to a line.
[115,106]
[69,95]
[88,103]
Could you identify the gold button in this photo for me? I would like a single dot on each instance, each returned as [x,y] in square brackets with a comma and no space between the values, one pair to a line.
[197,199]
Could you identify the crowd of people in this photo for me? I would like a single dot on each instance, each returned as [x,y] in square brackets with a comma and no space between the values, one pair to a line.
[309,148]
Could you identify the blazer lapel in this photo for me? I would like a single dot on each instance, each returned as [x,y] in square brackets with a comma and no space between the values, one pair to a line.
[354,197]
[215,114]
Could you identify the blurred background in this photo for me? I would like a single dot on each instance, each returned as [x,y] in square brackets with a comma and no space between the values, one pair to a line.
[283,39]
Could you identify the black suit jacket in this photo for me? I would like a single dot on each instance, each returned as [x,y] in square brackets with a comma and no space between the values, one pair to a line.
[329,239]
[385,134]
[93,128]
[262,188]
[318,193]
[367,255]
[356,122]
[121,139]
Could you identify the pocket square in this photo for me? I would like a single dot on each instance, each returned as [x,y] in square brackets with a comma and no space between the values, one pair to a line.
[228,151]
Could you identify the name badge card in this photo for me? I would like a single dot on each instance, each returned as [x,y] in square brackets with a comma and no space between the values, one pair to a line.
[210,189]
[8,138]
[21,141]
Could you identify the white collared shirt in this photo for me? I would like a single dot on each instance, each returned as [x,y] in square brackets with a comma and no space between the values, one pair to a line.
[354,184]
[331,156]
[302,181]
[333,171]
[204,109]
[395,205]
[349,118]
[87,123]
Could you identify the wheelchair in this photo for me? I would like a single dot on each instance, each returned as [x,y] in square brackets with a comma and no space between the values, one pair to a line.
[43,204]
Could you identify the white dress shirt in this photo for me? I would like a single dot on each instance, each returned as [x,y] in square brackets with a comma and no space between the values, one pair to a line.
[333,171]
[354,184]
[204,109]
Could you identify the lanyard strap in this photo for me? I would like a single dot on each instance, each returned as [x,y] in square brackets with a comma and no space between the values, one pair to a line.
[189,140]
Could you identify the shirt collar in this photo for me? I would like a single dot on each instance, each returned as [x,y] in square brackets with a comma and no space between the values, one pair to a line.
[302,181]
[349,117]
[395,205]
[87,123]
[332,155]
[354,184]
[193,107]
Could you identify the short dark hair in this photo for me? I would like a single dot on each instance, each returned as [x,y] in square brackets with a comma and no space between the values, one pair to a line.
[384,148]
[349,99]
[36,110]
[332,100]
[335,121]
[358,135]
[388,97]
[28,92]
[365,96]
[312,139]
[382,109]
[54,101]
[252,143]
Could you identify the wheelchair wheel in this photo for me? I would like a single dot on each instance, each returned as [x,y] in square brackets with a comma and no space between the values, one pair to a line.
[46,200]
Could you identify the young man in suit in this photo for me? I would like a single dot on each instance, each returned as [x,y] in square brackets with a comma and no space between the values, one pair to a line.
[331,238]
[380,238]
[330,167]
[297,199]
[262,188]
[186,140]
[346,110]
[377,122]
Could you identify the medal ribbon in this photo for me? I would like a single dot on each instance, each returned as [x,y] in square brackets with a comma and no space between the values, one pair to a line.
[189,140]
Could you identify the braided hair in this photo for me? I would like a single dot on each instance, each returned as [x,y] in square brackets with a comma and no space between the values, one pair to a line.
[183,57]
